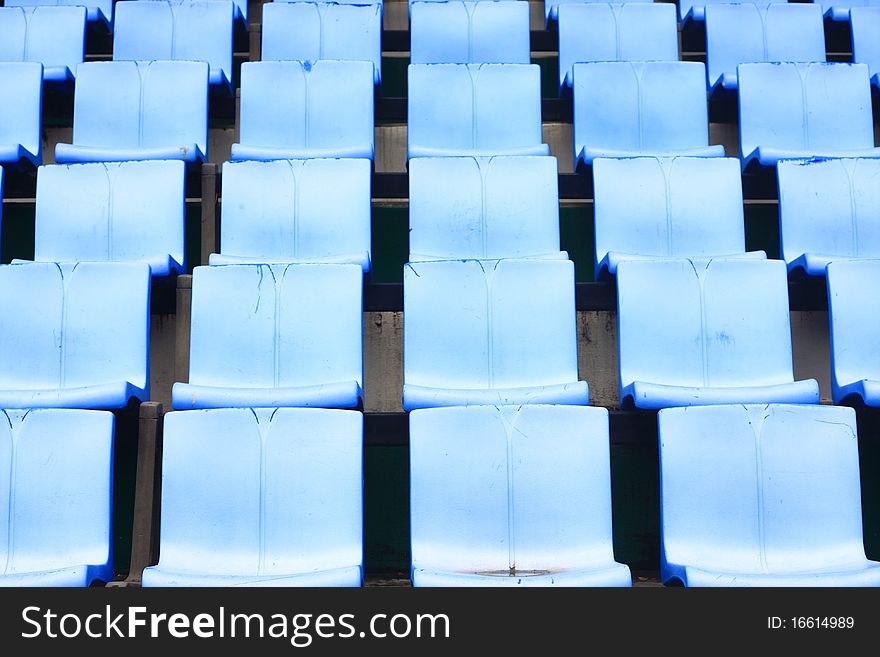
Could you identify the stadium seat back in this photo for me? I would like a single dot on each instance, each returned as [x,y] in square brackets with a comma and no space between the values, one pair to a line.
[56,482]
[284,496]
[670,207]
[500,207]
[53,36]
[746,33]
[854,311]
[470,33]
[303,109]
[474,109]
[279,211]
[265,326]
[129,211]
[592,32]
[96,10]
[489,324]
[721,323]
[500,491]
[760,489]
[74,325]
[805,108]
[313,31]
[828,209]
[21,96]
[178,30]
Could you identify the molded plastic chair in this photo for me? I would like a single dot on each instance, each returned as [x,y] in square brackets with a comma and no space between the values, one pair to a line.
[474,109]
[796,111]
[694,333]
[745,33]
[866,39]
[96,10]
[279,212]
[512,496]
[490,332]
[119,212]
[282,505]
[648,208]
[762,495]
[828,210]
[696,9]
[551,7]
[854,312]
[21,97]
[591,32]
[302,110]
[178,30]
[56,483]
[632,109]
[470,33]
[312,31]
[499,207]
[267,336]
[841,10]
[53,36]
[75,335]
[138,111]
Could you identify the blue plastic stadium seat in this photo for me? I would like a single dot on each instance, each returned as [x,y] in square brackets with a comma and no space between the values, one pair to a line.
[647,208]
[796,111]
[56,482]
[470,33]
[498,207]
[841,10]
[866,39]
[854,311]
[267,336]
[302,110]
[21,97]
[138,111]
[631,109]
[512,496]
[828,210]
[696,9]
[282,505]
[312,31]
[53,36]
[96,10]
[745,33]
[490,332]
[551,7]
[177,30]
[474,109]
[118,212]
[591,32]
[281,212]
[75,335]
[693,333]
[762,495]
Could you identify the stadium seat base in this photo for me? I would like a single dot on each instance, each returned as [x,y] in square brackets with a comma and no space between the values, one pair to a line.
[573,394]
[655,396]
[770,157]
[867,574]
[611,261]
[343,394]
[613,575]
[242,152]
[350,576]
[73,154]
[104,396]
[362,259]
[867,390]
[587,155]
[73,576]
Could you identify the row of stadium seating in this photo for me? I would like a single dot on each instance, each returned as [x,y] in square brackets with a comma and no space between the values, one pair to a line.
[510,481]
[442,33]
[494,207]
[159,110]
[505,496]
